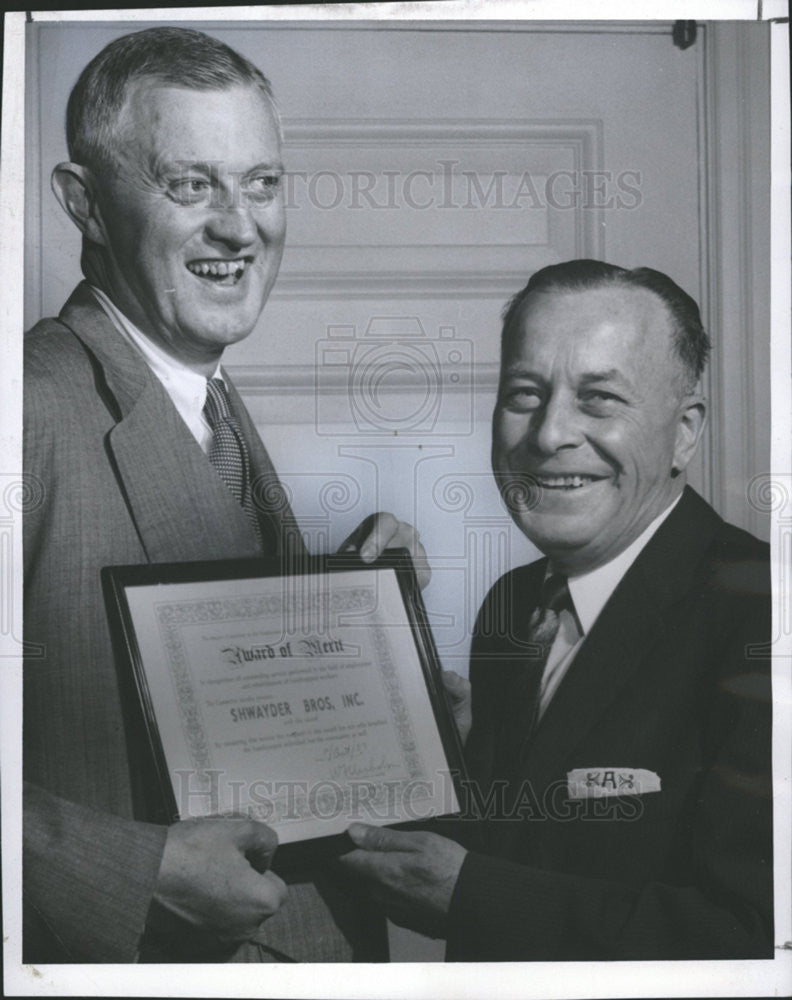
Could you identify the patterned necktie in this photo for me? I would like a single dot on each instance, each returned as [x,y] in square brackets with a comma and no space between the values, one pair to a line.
[523,708]
[228,452]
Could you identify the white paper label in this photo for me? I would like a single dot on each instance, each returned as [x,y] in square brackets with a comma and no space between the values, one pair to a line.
[596,782]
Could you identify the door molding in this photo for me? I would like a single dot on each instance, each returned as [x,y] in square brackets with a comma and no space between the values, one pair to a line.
[734,130]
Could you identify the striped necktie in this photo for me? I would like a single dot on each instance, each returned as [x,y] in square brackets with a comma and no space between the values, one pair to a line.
[523,710]
[228,452]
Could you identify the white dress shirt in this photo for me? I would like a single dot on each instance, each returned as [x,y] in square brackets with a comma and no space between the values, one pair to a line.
[590,593]
[186,388]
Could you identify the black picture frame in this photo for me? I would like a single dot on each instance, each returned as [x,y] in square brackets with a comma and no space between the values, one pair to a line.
[154,791]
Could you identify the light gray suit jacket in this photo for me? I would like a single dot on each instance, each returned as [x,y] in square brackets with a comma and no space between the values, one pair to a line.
[118,479]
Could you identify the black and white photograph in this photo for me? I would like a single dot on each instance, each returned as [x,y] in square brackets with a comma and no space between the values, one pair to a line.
[397,501]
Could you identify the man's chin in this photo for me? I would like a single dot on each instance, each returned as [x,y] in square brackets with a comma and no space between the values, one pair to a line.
[559,535]
[218,330]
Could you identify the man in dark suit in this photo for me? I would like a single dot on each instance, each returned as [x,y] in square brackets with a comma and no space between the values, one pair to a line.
[619,754]
[174,181]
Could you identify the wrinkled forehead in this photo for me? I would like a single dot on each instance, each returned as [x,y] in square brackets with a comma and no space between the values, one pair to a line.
[152,107]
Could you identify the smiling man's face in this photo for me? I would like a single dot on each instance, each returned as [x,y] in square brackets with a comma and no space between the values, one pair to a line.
[590,421]
[192,217]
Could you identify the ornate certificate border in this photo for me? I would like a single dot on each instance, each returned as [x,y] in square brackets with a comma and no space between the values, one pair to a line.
[152,610]
[172,617]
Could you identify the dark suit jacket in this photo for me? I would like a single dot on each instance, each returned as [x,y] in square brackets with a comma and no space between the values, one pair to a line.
[673,678]
[116,477]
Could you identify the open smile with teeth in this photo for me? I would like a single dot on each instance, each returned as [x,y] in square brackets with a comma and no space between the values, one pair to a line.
[572,482]
[227,272]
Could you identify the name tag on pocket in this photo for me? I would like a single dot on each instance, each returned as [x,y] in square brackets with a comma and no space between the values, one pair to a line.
[596,782]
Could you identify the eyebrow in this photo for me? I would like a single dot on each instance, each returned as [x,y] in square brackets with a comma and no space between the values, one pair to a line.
[209,167]
[516,371]
[266,165]
[166,167]
[610,375]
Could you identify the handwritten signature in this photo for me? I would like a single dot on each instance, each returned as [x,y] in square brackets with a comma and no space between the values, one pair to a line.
[342,751]
[374,767]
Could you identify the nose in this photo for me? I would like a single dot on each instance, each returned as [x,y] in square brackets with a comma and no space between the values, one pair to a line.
[556,425]
[232,223]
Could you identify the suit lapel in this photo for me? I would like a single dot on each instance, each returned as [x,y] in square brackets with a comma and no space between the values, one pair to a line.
[180,507]
[628,629]
[122,373]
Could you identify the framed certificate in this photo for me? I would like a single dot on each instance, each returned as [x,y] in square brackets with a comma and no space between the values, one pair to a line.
[307,696]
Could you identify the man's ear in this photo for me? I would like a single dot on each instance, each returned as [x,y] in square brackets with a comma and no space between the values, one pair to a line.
[691,421]
[74,187]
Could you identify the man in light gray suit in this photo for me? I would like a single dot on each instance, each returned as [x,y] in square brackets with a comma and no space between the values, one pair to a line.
[174,181]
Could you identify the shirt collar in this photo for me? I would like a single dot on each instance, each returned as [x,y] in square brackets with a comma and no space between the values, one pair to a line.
[590,592]
[180,380]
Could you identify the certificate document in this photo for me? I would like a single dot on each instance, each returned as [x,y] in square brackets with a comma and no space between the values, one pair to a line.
[307,700]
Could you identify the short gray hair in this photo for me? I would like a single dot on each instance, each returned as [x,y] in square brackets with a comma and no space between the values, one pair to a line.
[180,57]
